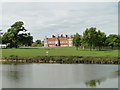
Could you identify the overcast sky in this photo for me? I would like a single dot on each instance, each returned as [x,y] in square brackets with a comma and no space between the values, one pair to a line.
[48,18]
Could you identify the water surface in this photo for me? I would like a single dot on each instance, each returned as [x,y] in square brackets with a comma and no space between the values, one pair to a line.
[59,76]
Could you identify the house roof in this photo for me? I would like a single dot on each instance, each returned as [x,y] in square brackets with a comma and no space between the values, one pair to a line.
[54,38]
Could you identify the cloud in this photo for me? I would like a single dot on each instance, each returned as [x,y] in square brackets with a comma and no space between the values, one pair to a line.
[60,1]
[45,19]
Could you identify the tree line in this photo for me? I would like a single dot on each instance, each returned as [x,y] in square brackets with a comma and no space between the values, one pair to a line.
[91,38]
[94,38]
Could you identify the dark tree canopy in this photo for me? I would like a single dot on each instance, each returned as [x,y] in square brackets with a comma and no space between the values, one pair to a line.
[25,39]
[101,38]
[12,37]
[76,40]
[93,38]
[89,37]
[113,40]
[1,36]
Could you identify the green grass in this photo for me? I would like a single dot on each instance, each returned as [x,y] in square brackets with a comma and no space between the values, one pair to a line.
[58,51]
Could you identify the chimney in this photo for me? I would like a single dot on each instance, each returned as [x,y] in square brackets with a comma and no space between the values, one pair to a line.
[61,35]
[53,36]
[66,36]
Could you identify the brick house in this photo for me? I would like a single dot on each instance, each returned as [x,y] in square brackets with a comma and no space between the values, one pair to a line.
[60,41]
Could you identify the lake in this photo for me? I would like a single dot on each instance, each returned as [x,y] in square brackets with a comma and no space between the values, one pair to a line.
[59,76]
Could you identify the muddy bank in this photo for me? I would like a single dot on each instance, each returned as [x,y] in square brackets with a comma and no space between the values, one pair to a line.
[63,60]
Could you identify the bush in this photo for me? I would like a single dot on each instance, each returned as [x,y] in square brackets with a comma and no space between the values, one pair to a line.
[12,57]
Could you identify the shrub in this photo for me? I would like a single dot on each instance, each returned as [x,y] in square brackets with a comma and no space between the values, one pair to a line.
[12,57]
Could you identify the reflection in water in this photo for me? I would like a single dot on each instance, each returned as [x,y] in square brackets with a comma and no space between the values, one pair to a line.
[14,75]
[13,72]
[92,83]
[59,76]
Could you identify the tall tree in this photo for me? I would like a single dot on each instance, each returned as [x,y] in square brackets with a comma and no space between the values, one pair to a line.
[76,40]
[12,36]
[101,37]
[89,37]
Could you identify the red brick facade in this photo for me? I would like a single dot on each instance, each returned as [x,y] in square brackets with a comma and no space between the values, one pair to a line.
[58,42]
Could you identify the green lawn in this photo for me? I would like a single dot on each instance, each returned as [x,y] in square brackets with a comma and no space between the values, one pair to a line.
[58,51]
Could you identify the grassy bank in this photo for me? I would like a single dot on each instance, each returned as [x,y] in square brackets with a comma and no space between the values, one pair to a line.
[67,55]
[57,51]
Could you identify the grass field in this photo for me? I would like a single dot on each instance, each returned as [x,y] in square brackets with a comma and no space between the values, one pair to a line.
[58,51]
